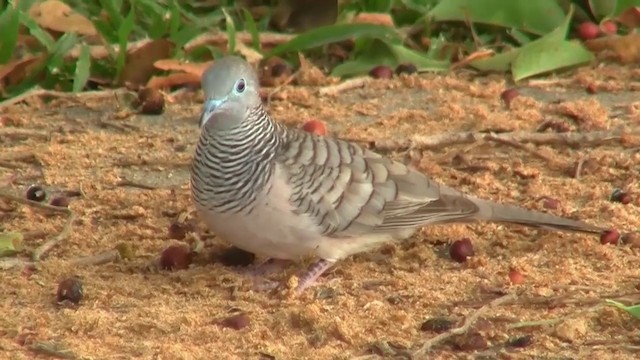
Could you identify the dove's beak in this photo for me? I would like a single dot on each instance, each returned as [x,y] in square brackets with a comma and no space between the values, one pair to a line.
[209,108]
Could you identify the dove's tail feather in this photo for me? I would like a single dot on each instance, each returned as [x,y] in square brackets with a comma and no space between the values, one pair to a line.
[494,212]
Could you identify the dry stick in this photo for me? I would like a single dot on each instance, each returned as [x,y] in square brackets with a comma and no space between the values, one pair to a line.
[468,323]
[43,206]
[37,92]
[134,184]
[51,243]
[444,140]
[22,134]
[344,86]
[97,259]
[521,146]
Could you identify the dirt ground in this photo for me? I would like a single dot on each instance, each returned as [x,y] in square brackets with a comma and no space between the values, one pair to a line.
[370,306]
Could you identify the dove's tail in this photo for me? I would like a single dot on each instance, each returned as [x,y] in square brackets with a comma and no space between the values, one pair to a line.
[494,212]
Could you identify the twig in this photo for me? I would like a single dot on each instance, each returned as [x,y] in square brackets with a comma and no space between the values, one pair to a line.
[468,323]
[98,259]
[578,173]
[344,86]
[553,321]
[126,182]
[37,92]
[219,38]
[35,204]
[21,133]
[10,263]
[575,139]
[52,349]
[51,243]
[521,146]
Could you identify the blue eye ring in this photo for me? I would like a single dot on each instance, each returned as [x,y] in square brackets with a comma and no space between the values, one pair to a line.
[240,86]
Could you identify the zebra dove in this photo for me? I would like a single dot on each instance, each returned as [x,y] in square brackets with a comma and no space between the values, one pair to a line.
[285,193]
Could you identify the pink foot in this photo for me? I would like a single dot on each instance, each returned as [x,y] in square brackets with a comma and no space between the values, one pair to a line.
[309,277]
[258,272]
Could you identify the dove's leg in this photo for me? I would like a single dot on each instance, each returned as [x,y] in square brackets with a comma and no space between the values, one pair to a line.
[268,267]
[312,274]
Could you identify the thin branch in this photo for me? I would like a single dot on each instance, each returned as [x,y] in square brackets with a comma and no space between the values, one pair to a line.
[98,259]
[344,86]
[521,146]
[575,139]
[38,92]
[34,204]
[51,243]
[220,38]
[468,323]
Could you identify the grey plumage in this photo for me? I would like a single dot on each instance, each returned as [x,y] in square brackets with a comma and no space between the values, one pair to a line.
[285,193]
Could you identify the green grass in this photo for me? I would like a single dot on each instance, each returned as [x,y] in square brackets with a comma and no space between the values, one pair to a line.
[529,37]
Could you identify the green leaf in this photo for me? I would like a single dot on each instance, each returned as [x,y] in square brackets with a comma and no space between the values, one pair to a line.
[252,28]
[602,8]
[123,38]
[542,57]
[9,23]
[43,37]
[633,310]
[423,63]
[10,243]
[64,44]
[550,52]
[334,33]
[174,22]
[538,17]
[231,31]
[112,8]
[83,69]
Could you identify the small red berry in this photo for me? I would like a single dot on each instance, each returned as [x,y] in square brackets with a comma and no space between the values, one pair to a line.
[60,201]
[177,231]
[508,95]
[609,27]
[588,31]
[550,203]
[176,257]
[516,277]
[621,196]
[381,72]
[315,127]
[460,250]
[70,289]
[611,236]
[236,322]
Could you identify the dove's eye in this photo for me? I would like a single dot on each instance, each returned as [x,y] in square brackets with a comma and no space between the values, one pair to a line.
[240,86]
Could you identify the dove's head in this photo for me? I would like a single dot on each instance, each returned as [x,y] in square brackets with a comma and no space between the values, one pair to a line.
[231,89]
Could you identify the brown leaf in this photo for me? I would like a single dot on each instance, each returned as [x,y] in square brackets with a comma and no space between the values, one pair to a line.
[630,17]
[373,18]
[15,71]
[58,16]
[625,48]
[173,80]
[139,65]
[177,65]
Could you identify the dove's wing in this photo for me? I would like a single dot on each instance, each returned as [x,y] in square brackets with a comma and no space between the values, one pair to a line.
[350,191]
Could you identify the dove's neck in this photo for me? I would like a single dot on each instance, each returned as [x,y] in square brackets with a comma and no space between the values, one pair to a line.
[231,168]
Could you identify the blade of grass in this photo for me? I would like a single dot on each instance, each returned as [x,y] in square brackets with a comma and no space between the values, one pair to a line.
[334,33]
[9,23]
[60,50]
[34,29]
[123,38]
[252,28]
[174,20]
[83,69]
[112,9]
[231,31]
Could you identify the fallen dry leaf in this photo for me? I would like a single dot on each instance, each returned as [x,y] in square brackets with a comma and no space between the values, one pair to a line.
[173,80]
[15,71]
[625,48]
[630,17]
[139,65]
[177,65]
[373,18]
[58,16]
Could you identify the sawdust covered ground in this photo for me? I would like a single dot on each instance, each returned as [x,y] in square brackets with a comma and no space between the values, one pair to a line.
[373,303]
